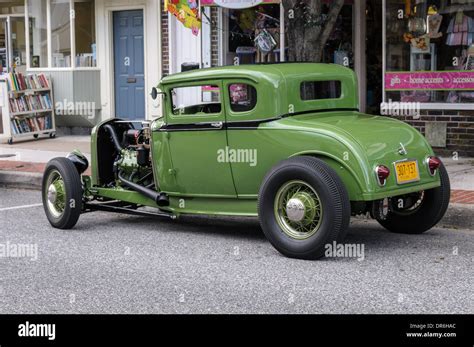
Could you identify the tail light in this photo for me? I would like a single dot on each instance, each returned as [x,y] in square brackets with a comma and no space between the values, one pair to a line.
[382,172]
[433,164]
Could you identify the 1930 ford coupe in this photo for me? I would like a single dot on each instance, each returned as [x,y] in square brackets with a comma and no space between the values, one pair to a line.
[284,142]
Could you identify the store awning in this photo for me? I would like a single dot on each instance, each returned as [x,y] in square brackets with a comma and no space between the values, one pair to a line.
[237,4]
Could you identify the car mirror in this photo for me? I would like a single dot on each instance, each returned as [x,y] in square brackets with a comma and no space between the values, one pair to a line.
[154,93]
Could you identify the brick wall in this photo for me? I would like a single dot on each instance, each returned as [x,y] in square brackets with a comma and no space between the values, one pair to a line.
[214,37]
[460,130]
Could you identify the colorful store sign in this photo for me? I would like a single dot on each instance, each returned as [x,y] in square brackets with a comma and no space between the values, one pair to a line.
[237,4]
[187,12]
[435,80]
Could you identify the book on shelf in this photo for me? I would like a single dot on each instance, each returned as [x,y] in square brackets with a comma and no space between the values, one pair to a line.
[22,125]
[27,103]
[18,81]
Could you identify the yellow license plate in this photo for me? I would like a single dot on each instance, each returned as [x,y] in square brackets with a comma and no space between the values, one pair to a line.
[407,171]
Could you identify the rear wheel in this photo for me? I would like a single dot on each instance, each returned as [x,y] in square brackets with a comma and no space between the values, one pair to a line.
[62,193]
[303,206]
[424,210]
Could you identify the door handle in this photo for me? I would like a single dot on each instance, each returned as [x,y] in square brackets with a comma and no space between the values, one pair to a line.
[131,80]
[217,125]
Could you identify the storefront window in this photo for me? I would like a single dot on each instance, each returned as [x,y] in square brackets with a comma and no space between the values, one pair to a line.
[430,51]
[84,28]
[38,28]
[12,7]
[62,17]
[60,33]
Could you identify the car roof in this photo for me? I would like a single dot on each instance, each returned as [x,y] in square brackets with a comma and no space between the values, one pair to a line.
[278,86]
[256,72]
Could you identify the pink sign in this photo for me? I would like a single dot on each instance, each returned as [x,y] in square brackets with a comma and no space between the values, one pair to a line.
[237,3]
[436,80]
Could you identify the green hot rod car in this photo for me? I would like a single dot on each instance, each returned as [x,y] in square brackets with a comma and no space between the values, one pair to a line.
[284,142]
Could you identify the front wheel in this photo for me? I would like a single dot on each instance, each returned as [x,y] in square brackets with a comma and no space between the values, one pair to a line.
[62,193]
[423,212]
[303,206]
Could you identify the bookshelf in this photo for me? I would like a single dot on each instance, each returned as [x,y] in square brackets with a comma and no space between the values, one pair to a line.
[27,106]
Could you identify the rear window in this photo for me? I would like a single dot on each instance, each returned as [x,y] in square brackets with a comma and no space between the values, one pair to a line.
[317,90]
[243,97]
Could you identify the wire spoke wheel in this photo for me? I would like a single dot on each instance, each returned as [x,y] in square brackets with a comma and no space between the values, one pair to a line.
[298,210]
[55,194]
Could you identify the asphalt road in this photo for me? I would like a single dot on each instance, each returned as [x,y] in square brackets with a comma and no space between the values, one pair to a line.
[125,264]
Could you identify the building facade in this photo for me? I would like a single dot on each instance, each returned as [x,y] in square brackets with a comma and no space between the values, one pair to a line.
[414,58]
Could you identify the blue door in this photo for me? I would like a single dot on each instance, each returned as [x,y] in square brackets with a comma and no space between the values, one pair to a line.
[129,65]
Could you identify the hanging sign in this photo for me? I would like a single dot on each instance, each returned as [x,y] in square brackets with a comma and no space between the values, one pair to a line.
[187,12]
[237,4]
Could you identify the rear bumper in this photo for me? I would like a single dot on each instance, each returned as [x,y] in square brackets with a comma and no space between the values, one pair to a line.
[399,191]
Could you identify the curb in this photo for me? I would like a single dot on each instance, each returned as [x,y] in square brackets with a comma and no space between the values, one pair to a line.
[18,179]
[458,216]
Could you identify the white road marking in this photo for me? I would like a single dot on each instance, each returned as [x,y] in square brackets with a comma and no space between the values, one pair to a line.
[19,207]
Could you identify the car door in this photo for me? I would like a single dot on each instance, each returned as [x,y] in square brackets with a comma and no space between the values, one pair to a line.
[198,141]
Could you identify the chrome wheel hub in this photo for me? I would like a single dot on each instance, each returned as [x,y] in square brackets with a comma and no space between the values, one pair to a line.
[295,210]
[298,210]
[52,194]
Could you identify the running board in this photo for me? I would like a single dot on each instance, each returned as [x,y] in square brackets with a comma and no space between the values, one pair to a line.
[91,207]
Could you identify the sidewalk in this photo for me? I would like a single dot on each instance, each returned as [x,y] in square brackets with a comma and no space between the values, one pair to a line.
[22,165]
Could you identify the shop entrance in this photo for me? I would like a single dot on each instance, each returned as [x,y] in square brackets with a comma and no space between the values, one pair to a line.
[129,74]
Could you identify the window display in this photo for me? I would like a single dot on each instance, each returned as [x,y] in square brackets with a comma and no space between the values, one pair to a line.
[54,20]
[38,29]
[429,50]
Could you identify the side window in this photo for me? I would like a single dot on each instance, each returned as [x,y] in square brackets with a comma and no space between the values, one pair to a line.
[317,90]
[243,97]
[205,99]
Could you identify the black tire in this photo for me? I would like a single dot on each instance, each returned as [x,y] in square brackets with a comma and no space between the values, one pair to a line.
[431,210]
[72,193]
[35,136]
[333,197]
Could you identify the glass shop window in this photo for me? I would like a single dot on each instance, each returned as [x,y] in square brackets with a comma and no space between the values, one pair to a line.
[430,51]
[63,16]
[38,28]
[84,28]
[196,100]
[316,90]
[243,97]
[60,33]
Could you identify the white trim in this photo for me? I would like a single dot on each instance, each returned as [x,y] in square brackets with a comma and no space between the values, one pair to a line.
[446,106]
[48,33]
[171,30]
[206,39]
